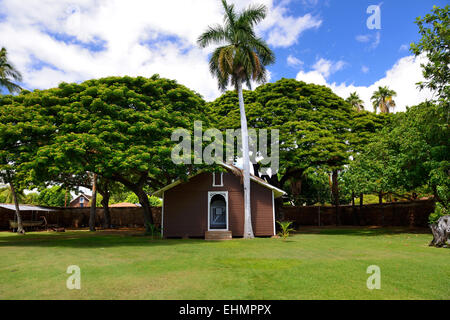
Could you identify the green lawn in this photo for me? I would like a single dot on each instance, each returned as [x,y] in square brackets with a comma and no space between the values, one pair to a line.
[315,264]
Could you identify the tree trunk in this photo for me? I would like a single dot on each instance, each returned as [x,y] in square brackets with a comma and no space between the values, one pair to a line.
[335,191]
[16,204]
[103,189]
[361,199]
[138,189]
[93,203]
[278,209]
[380,197]
[105,204]
[248,228]
[355,219]
[143,200]
[441,232]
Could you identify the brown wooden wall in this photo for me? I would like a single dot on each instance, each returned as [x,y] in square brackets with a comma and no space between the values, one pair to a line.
[79,217]
[186,207]
[412,214]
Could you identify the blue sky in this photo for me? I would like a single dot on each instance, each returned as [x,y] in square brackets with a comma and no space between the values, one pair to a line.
[322,41]
[342,22]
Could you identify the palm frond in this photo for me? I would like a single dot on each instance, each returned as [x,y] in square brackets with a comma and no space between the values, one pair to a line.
[214,35]
[230,16]
[253,15]
[8,73]
[242,56]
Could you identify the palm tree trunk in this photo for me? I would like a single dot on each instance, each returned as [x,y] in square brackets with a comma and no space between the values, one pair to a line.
[16,204]
[248,228]
[93,203]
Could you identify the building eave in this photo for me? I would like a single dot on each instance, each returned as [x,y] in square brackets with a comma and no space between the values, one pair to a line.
[277,192]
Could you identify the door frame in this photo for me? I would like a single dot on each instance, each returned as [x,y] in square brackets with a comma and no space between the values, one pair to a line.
[224,194]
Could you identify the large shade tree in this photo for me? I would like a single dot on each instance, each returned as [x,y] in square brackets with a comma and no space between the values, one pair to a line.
[22,130]
[240,58]
[9,75]
[118,128]
[407,154]
[434,29]
[317,129]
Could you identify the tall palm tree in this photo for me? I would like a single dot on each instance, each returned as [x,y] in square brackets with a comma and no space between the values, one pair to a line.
[355,101]
[383,98]
[240,58]
[8,73]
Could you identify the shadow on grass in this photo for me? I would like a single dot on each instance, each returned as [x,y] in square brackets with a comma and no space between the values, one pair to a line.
[106,239]
[88,240]
[363,231]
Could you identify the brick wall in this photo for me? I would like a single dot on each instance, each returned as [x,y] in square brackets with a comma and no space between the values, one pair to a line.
[79,217]
[411,214]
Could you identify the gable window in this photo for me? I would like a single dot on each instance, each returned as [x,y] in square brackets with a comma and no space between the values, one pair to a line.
[217,179]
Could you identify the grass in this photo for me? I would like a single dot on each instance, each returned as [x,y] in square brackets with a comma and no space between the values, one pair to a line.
[314,264]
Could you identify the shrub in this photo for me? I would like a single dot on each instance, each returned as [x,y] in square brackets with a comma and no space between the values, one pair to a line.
[155,232]
[439,212]
[285,229]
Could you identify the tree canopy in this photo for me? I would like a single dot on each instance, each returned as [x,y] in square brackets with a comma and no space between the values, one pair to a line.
[409,153]
[119,128]
[53,197]
[317,128]
[435,44]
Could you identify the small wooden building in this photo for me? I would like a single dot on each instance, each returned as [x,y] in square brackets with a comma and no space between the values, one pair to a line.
[81,201]
[211,205]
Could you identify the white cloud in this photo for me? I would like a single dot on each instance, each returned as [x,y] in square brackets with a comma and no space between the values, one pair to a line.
[377,40]
[363,38]
[327,67]
[51,41]
[403,47]
[287,29]
[293,61]
[310,3]
[374,38]
[365,69]
[402,78]
[321,70]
